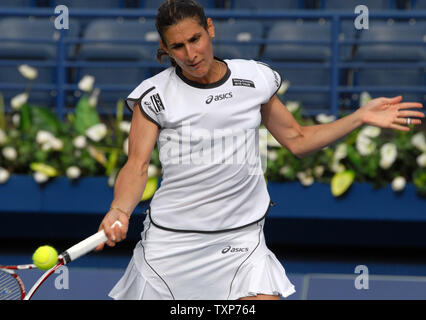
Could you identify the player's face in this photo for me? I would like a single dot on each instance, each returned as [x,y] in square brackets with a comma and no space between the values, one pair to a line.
[190,45]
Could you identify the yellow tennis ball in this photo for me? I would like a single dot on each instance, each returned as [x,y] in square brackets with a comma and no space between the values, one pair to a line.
[45,257]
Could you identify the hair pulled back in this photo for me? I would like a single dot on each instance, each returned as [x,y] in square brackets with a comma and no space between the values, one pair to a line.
[172,12]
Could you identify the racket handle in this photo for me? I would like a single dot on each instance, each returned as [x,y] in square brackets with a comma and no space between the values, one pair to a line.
[84,246]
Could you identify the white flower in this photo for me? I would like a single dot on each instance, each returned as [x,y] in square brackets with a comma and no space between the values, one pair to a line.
[93,99]
[323,118]
[28,72]
[125,126]
[73,172]
[16,119]
[80,142]
[421,160]
[152,171]
[364,145]
[48,141]
[305,178]
[56,144]
[341,152]
[272,142]
[388,154]
[97,132]
[3,137]
[46,146]
[272,155]
[126,147]
[18,101]
[398,184]
[370,131]
[40,177]
[284,170]
[4,175]
[284,87]
[319,171]
[43,137]
[292,106]
[364,98]
[10,153]
[419,141]
[337,167]
[86,83]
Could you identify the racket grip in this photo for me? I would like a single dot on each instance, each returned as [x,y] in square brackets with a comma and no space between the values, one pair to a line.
[84,247]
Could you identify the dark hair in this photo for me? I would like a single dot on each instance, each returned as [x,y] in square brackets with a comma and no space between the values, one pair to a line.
[173,11]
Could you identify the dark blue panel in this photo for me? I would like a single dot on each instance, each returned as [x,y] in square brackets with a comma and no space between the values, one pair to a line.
[239,31]
[20,194]
[292,30]
[342,287]
[94,196]
[295,201]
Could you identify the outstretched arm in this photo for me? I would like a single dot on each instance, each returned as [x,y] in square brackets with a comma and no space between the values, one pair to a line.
[304,140]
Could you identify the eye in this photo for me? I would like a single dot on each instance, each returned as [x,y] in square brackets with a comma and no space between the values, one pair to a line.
[195,39]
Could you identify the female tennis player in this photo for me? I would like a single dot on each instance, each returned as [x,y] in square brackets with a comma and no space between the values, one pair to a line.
[203,233]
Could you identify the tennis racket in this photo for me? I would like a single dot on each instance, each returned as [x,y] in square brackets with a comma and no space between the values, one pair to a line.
[11,285]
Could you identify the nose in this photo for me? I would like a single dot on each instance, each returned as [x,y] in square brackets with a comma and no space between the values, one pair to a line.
[190,53]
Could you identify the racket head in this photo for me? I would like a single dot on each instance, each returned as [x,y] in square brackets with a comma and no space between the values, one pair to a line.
[43,278]
[11,285]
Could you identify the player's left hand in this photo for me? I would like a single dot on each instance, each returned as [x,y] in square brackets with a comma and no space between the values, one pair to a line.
[391,113]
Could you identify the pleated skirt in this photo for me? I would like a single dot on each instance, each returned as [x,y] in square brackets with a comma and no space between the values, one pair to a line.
[169,265]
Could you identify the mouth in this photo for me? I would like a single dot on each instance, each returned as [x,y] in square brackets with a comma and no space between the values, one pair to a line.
[195,65]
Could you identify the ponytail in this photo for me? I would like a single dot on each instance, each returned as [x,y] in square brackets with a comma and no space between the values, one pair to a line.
[161,53]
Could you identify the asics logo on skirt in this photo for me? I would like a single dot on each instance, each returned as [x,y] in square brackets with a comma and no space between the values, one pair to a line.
[234,250]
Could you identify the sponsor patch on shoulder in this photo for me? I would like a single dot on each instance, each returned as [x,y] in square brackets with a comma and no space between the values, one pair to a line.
[243,83]
[157,105]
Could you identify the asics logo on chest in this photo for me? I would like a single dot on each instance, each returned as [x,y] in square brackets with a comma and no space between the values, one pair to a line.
[219,97]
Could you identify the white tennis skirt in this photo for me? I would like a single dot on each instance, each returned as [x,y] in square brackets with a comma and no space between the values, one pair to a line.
[168,265]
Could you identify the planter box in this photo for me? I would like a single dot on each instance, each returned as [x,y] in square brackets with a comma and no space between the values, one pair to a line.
[88,195]
[302,215]
[58,209]
[362,217]
[360,202]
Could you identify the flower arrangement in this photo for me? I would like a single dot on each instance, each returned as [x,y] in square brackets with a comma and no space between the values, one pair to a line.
[369,154]
[33,140]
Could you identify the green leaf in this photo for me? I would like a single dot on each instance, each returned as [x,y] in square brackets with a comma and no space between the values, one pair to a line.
[25,121]
[45,119]
[341,182]
[39,118]
[44,168]
[86,116]
[2,113]
[150,188]
[112,162]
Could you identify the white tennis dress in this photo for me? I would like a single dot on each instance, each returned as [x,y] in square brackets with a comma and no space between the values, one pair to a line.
[203,234]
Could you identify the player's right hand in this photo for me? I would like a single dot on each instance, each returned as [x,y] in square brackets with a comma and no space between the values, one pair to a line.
[114,232]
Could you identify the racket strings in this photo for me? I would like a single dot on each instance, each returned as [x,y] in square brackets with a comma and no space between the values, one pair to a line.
[9,287]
